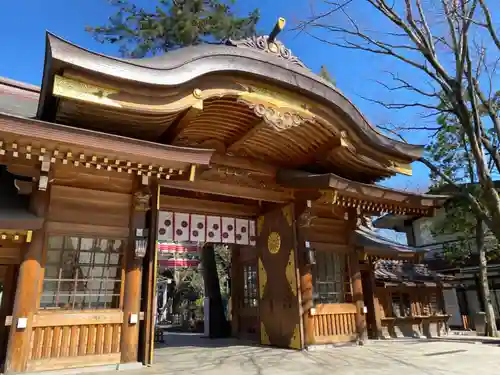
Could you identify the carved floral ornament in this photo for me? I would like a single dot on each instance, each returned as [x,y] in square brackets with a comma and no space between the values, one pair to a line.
[142,201]
[277,119]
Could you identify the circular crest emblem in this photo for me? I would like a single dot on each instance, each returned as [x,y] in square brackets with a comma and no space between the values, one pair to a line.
[274,243]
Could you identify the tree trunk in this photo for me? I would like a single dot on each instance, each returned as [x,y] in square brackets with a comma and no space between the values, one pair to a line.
[219,326]
[483,279]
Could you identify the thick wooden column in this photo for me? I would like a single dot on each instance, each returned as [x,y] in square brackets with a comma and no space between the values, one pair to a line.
[355,275]
[372,302]
[133,276]
[305,272]
[27,292]
[148,302]
[357,294]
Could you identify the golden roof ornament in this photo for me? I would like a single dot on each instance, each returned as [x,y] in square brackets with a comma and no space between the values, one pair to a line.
[269,44]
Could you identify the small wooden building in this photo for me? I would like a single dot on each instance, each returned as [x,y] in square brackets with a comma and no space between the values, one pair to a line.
[410,299]
[237,143]
[403,297]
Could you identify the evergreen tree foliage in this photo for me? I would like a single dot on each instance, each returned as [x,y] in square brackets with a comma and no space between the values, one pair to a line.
[172,24]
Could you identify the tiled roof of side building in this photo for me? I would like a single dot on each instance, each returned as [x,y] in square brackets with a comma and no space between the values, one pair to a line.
[401,271]
[18,98]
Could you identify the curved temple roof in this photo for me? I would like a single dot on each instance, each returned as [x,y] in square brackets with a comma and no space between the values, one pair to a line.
[250,57]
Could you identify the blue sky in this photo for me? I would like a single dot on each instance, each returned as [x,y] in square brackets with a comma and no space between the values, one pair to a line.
[24,23]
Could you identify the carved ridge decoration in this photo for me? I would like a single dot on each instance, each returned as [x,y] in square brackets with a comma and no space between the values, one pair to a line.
[273,47]
[262,278]
[290,273]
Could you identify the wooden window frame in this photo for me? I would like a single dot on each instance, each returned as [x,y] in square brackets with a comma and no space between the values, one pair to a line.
[405,309]
[66,232]
[326,259]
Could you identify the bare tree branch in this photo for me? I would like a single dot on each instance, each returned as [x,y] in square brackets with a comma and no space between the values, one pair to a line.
[489,23]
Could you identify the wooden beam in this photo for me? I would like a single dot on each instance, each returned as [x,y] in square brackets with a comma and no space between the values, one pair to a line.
[248,164]
[322,153]
[201,206]
[238,144]
[179,123]
[218,188]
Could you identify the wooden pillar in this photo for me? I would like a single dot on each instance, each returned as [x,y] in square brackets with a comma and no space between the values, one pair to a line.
[302,210]
[357,294]
[306,289]
[236,290]
[133,275]
[148,302]
[27,291]
[6,306]
[376,303]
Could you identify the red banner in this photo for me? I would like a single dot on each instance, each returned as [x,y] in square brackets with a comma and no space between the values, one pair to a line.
[174,263]
[169,247]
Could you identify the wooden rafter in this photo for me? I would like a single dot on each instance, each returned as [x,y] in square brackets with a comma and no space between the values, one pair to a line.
[171,133]
[235,146]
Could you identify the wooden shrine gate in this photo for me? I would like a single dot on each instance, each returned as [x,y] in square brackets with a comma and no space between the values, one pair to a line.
[280,323]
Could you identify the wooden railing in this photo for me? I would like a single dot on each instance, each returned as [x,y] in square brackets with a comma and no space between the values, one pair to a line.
[64,340]
[334,323]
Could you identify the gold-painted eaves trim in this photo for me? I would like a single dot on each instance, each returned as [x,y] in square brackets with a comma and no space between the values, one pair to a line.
[87,92]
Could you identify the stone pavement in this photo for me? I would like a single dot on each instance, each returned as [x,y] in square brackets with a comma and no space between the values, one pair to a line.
[199,356]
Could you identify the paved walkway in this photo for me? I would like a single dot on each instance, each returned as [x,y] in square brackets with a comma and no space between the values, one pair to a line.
[198,356]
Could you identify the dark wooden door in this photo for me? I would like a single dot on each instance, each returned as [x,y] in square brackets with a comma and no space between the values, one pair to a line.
[369,295]
[8,280]
[280,323]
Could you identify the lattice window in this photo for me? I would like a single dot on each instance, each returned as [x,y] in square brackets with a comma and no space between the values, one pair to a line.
[250,285]
[433,304]
[330,282]
[82,273]
[401,304]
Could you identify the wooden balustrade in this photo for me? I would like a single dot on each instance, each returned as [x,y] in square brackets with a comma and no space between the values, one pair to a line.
[334,323]
[64,340]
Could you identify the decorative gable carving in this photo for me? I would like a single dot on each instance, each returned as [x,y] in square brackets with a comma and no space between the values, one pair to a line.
[273,47]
